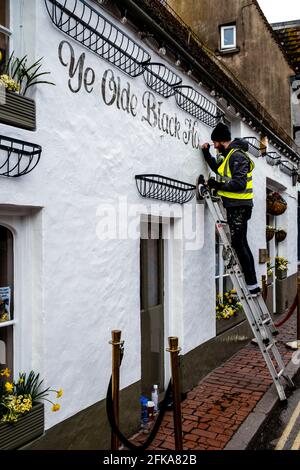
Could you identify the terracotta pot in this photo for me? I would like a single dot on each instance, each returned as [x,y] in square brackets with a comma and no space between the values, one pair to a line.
[280,235]
[270,233]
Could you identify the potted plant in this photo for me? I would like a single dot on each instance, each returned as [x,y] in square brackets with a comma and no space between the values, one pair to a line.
[269,272]
[16,78]
[228,306]
[21,408]
[280,235]
[276,205]
[270,231]
[281,267]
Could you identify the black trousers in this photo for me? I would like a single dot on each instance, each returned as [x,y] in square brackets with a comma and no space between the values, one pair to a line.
[237,218]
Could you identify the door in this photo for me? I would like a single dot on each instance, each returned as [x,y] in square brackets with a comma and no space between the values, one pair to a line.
[152,310]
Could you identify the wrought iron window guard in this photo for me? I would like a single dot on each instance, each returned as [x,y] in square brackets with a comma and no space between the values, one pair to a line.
[165,189]
[256,148]
[17,157]
[191,101]
[161,79]
[81,22]
[273,158]
[287,168]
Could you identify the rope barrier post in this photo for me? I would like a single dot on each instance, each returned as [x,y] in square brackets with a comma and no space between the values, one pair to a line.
[174,351]
[296,344]
[264,287]
[116,361]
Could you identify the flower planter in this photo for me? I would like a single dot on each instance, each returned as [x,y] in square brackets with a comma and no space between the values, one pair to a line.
[18,111]
[270,233]
[281,274]
[27,428]
[280,235]
[276,206]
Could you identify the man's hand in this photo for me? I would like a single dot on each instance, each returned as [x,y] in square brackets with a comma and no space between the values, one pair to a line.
[206,146]
[213,184]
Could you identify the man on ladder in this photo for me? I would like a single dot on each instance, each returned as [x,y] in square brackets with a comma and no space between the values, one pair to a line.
[235,189]
[235,168]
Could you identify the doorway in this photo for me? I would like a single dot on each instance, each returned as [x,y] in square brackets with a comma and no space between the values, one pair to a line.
[152,307]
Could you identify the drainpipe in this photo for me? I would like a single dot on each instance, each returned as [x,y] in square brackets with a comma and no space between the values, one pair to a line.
[146,20]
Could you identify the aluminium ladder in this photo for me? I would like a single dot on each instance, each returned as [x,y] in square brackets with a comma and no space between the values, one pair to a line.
[254,307]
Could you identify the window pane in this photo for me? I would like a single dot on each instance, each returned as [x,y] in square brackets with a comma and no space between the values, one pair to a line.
[6,348]
[6,274]
[228,37]
[4,13]
[227,284]
[4,40]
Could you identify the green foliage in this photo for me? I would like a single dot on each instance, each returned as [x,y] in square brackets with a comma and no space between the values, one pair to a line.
[23,74]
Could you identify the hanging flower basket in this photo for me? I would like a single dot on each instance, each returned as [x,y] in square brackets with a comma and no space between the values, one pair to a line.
[276,205]
[280,235]
[270,231]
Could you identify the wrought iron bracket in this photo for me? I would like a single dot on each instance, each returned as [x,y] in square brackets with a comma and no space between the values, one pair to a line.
[17,157]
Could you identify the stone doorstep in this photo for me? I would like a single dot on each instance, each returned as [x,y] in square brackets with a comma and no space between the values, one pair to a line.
[250,428]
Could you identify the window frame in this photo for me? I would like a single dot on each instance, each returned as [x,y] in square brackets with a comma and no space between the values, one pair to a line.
[223,28]
[6,30]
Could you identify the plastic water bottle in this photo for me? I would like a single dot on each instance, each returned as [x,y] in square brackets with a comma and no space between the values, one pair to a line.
[154,397]
[144,413]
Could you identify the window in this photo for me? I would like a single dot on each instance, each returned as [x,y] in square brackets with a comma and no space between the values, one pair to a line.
[6,298]
[228,37]
[5,32]
[223,281]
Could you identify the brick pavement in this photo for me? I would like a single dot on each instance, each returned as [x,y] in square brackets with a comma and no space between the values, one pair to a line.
[220,403]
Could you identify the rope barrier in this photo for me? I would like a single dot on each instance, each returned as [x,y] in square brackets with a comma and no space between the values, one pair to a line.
[116,430]
[289,313]
[113,422]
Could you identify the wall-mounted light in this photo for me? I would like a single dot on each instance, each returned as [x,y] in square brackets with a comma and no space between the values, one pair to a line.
[237,114]
[200,83]
[178,62]
[189,72]
[243,119]
[250,123]
[213,93]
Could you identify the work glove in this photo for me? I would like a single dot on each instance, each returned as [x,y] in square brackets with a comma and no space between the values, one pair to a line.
[214,184]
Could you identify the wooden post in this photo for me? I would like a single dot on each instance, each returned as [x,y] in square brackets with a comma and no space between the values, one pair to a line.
[174,351]
[116,357]
[296,344]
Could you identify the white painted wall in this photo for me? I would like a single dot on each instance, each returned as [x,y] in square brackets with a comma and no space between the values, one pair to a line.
[89,286]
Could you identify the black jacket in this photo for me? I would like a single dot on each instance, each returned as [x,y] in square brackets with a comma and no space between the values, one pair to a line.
[239,166]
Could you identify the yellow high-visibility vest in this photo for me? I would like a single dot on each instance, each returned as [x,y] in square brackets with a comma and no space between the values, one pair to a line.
[225,173]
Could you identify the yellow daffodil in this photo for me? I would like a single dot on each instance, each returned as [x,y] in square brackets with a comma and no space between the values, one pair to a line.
[9,387]
[21,380]
[59,393]
[55,407]
[5,372]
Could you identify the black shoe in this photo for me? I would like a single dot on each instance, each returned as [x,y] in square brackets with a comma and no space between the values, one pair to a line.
[255,291]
